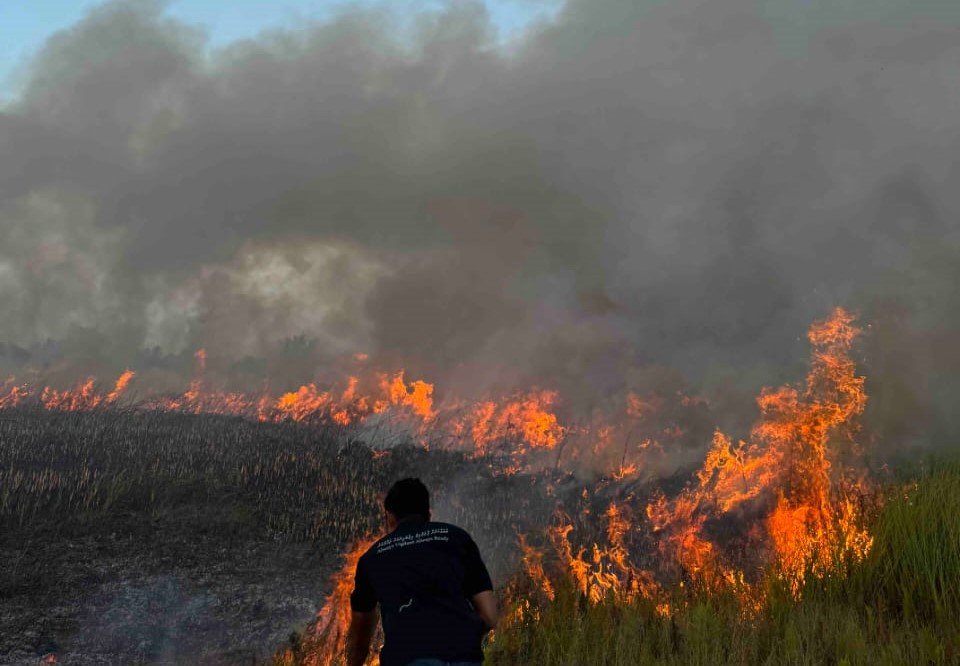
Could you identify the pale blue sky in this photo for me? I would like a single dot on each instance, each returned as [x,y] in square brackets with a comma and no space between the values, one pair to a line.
[25,24]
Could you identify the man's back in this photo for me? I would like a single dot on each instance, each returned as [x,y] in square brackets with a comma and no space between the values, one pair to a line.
[423,575]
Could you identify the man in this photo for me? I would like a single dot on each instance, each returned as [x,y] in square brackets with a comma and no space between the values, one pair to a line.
[436,599]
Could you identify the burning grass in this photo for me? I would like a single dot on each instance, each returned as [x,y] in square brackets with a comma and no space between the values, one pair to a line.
[778,547]
[138,536]
[898,605]
[527,430]
[765,527]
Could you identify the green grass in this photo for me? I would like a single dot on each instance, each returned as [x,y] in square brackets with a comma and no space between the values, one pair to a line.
[914,569]
[899,606]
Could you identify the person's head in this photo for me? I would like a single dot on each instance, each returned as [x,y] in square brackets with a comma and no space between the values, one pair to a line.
[407,498]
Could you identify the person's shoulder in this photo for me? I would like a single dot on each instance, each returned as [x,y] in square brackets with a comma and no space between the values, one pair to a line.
[454,530]
[365,557]
[373,547]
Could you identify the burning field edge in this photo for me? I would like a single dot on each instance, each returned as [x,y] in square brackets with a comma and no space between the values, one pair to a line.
[225,514]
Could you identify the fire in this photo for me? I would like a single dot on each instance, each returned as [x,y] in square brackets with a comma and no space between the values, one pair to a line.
[326,639]
[532,560]
[788,465]
[300,404]
[514,425]
[12,393]
[529,418]
[791,478]
[310,403]
[605,570]
[86,395]
[418,396]
[123,381]
[600,572]
[787,500]
[795,473]
[624,471]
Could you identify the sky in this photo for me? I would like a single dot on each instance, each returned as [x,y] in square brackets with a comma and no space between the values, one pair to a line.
[26,24]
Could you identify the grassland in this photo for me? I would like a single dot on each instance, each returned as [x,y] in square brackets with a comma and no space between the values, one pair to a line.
[900,606]
[131,536]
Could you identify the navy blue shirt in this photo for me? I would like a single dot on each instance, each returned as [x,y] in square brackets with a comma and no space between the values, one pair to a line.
[423,575]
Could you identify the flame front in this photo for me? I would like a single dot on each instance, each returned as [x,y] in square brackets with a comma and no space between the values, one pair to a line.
[326,639]
[788,499]
[792,490]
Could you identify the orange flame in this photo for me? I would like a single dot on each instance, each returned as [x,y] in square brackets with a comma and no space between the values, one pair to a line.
[815,520]
[327,638]
[528,419]
[793,471]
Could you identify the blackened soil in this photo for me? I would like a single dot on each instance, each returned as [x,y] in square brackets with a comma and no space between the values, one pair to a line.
[138,590]
[147,538]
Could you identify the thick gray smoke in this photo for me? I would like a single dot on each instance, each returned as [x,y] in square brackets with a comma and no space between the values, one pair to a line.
[681,184]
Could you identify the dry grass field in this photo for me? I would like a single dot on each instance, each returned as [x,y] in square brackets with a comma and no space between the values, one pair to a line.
[133,536]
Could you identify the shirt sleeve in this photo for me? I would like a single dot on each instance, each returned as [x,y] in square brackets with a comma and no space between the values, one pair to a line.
[475,576]
[363,599]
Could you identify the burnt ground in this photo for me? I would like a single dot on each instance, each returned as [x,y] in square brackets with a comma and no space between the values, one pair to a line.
[135,590]
[133,537]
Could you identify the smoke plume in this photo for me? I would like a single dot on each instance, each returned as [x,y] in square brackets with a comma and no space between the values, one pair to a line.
[628,187]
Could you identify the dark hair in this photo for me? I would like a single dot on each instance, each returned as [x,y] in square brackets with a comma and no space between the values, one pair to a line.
[408,497]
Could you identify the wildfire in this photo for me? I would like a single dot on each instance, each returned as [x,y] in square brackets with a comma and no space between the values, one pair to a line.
[512,425]
[84,396]
[605,570]
[528,417]
[787,491]
[521,431]
[326,639]
[787,466]
[787,498]
[13,394]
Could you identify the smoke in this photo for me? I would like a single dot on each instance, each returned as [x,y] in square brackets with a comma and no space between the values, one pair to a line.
[632,184]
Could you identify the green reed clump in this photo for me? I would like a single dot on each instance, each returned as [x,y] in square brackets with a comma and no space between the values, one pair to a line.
[914,567]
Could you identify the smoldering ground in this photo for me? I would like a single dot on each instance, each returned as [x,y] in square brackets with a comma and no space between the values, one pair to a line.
[626,187]
[136,537]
